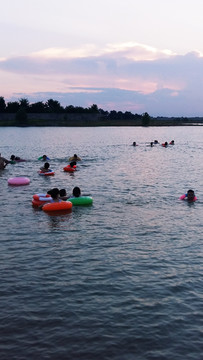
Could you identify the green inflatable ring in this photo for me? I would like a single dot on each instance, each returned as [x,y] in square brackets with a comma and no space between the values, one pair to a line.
[81,200]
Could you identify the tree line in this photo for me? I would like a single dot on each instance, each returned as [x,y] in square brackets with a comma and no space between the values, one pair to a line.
[54,106]
[92,115]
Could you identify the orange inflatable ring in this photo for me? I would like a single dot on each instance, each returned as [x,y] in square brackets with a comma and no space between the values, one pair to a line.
[69,168]
[48,173]
[57,206]
[40,199]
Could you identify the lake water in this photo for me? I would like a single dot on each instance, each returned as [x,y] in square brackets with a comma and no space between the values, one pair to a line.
[118,280]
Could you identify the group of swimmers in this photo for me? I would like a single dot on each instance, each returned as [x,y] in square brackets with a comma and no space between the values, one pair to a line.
[152,143]
[58,195]
[13,159]
[73,161]
[61,195]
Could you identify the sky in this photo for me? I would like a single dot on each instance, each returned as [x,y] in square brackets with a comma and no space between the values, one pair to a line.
[124,55]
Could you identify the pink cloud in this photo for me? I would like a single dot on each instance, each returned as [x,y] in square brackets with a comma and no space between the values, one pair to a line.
[140,72]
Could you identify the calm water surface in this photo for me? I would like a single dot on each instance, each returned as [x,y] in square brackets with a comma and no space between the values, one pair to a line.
[118,280]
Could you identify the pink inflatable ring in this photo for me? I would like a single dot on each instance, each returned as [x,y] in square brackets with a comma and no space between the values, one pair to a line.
[18,181]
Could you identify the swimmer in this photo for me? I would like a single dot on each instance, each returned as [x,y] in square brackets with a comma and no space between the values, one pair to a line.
[76,191]
[45,168]
[15,158]
[3,162]
[75,158]
[63,194]
[190,196]
[43,158]
[172,142]
[55,194]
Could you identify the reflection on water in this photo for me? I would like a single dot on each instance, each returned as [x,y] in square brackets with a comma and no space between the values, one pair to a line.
[120,279]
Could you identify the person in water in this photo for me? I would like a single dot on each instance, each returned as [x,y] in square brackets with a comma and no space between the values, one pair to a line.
[172,142]
[15,158]
[3,162]
[75,158]
[12,159]
[134,143]
[76,191]
[156,142]
[43,158]
[190,196]
[45,168]
[73,164]
[55,194]
[63,194]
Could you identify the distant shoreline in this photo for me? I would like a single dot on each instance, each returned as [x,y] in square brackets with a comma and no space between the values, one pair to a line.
[91,120]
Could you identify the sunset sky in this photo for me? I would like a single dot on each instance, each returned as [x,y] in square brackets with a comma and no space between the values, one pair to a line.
[128,55]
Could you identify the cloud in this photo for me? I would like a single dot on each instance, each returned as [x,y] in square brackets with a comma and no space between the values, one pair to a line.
[130,76]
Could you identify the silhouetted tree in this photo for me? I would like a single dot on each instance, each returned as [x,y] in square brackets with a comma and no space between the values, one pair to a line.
[145,119]
[24,103]
[21,117]
[38,107]
[12,107]
[94,109]
[2,104]
[70,109]
[113,114]
[54,106]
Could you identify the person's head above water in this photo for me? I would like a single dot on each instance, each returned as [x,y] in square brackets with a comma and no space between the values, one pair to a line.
[62,192]
[190,195]
[55,193]
[44,157]
[46,165]
[72,163]
[76,191]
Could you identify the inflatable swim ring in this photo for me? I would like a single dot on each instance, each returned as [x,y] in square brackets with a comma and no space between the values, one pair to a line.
[69,168]
[41,158]
[81,200]
[62,206]
[40,199]
[48,173]
[18,181]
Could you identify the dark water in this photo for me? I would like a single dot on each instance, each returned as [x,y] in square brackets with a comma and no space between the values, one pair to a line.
[119,280]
